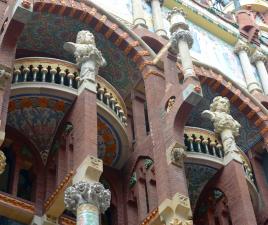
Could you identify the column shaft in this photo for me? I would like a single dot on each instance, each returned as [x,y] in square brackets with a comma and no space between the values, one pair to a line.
[157,18]
[87,214]
[263,75]
[252,83]
[138,14]
[186,59]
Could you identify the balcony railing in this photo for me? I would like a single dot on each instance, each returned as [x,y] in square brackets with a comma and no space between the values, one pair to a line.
[201,141]
[65,74]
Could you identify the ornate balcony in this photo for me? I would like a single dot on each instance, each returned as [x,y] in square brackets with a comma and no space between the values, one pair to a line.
[42,92]
[63,76]
[206,146]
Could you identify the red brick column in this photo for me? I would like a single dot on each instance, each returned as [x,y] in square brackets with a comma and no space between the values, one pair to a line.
[84,119]
[233,183]
[138,117]
[170,179]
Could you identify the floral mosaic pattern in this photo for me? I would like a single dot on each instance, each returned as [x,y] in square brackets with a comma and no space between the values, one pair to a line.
[37,118]
[197,177]
[46,33]
[249,133]
[108,142]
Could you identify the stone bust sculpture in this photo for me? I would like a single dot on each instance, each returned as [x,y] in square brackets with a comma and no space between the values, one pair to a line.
[87,56]
[219,114]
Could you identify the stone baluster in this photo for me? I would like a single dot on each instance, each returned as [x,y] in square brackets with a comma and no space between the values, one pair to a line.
[181,40]
[2,162]
[138,13]
[190,139]
[124,120]
[117,108]
[121,113]
[71,77]
[157,17]
[26,71]
[198,143]
[205,143]
[87,201]
[107,97]
[219,148]
[53,73]
[259,59]
[213,145]
[35,71]
[112,100]
[62,75]
[17,74]
[44,73]
[225,125]
[101,91]
[243,50]
[78,80]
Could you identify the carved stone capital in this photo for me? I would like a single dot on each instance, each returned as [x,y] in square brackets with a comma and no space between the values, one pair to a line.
[176,211]
[258,56]
[241,46]
[87,56]
[2,162]
[86,193]
[181,35]
[176,17]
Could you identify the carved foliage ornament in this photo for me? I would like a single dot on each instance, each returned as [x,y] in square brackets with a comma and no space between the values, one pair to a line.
[179,35]
[2,162]
[181,222]
[177,156]
[86,193]
[87,56]
[219,114]
[258,56]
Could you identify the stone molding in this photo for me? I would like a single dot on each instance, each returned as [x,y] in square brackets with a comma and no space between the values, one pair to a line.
[241,46]
[86,193]
[258,56]
[183,35]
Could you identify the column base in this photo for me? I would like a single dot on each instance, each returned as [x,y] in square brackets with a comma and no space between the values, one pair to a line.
[140,22]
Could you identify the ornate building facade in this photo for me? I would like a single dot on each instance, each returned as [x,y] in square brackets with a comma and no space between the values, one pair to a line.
[133,112]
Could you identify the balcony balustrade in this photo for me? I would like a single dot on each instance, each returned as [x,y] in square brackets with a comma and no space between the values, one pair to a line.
[63,74]
[204,142]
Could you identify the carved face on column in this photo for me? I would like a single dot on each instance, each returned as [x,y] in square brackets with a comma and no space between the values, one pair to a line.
[85,37]
[220,104]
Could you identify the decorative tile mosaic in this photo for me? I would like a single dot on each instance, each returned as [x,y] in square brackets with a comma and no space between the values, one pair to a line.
[37,118]
[197,177]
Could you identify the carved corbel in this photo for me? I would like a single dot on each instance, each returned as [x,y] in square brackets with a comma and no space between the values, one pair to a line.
[176,154]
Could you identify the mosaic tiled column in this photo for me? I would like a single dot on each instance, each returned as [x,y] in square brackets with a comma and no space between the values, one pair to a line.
[259,59]
[87,201]
[242,50]
[157,17]
[138,13]
[181,40]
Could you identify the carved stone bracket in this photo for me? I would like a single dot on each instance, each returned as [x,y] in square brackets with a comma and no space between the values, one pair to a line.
[258,56]
[86,193]
[176,155]
[176,211]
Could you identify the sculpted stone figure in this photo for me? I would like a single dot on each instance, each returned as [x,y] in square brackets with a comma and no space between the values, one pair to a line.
[223,122]
[87,56]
